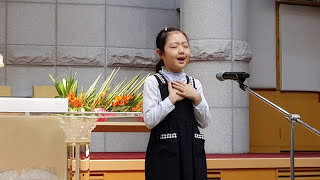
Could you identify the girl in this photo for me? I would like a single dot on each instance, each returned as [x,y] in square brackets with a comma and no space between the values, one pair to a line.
[174,107]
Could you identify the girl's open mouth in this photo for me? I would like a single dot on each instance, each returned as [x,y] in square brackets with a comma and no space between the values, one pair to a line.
[181,58]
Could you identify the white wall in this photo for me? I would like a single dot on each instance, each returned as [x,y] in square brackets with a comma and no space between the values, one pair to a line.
[300,29]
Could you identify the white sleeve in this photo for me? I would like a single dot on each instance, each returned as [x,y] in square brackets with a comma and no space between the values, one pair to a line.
[201,111]
[154,109]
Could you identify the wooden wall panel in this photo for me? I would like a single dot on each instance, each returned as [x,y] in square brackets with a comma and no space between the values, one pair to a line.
[5,91]
[44,92]
[269,130]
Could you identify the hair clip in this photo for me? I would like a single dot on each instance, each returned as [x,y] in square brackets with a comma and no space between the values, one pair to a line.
[166,28]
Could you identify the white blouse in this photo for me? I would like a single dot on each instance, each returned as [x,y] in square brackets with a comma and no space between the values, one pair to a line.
[155,110]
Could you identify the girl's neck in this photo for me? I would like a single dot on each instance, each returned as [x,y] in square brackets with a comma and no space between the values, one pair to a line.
[169,71]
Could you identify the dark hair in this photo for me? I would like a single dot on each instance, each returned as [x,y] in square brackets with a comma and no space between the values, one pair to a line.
[161,41]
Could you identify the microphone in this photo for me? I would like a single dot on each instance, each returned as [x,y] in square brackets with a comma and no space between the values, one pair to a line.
[237,76]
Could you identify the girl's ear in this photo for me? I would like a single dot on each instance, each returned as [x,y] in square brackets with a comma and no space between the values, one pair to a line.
[159,53]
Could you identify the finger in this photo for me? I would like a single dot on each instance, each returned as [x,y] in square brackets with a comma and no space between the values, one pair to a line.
[179,88]
[178,84]
[181,82]
[189,85]
[180,94]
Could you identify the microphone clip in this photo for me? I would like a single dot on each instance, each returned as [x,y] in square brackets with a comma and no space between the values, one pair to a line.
[242,85]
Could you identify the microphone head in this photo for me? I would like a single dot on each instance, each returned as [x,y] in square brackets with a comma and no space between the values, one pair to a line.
[219,76]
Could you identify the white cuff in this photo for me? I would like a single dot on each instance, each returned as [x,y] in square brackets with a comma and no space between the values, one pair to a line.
[200,106]
[168,105]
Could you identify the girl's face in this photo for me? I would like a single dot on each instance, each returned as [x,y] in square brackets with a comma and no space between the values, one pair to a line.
[176,53]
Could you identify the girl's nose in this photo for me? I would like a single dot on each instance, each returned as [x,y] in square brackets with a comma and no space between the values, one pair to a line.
[181,50]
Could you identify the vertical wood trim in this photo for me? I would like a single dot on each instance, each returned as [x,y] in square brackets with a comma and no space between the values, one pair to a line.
[278,47]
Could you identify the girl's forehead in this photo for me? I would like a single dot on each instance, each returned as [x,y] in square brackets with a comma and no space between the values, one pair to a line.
[176,36]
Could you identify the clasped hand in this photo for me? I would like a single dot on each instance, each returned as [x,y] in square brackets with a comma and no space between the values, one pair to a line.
[179,90]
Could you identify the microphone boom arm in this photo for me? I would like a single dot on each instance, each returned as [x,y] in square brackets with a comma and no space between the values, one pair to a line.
[292,118]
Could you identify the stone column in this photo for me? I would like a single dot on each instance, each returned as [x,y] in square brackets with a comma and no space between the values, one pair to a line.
[217,30]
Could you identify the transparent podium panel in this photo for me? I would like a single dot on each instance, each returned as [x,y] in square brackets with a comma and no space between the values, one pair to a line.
[52,146]
[32,147]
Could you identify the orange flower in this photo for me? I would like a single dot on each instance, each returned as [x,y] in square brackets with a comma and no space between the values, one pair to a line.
[137,108]
[120,103]
[114,104]
[118,98]
[130,96]
[76,101]
[72,97]
[101,97]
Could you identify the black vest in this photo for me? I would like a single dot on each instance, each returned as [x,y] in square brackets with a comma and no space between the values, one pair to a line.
[176,147]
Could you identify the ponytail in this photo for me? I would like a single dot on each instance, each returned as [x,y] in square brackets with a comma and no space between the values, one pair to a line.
[159,65]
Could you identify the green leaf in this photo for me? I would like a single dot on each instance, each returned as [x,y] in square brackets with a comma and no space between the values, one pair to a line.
[137,87]
[92,87]
[57,86]
[105,86]
[114,92]
[62,88]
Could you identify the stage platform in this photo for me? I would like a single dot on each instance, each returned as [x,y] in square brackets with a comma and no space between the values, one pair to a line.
[275,166]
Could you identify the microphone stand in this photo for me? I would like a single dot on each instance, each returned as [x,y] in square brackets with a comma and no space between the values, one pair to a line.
[293,118]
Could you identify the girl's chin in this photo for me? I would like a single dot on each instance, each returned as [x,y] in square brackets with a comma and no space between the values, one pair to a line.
[182,63]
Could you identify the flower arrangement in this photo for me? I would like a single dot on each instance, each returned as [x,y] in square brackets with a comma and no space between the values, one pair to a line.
[122,98]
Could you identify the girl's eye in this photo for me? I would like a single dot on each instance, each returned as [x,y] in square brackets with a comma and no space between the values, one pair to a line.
[185,45]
